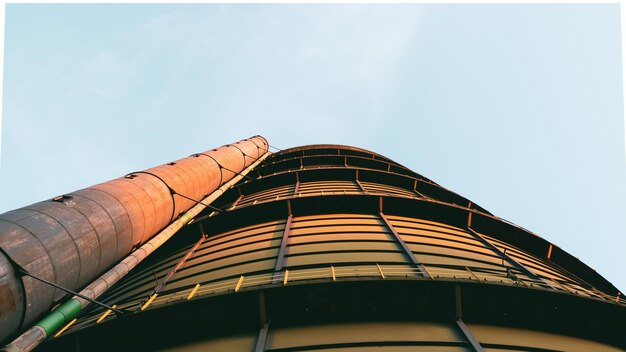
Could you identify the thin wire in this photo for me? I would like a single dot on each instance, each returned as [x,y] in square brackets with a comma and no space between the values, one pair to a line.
[193,200]
[280,150]
[225,168]
[117,311]
[262,162]
[238,173]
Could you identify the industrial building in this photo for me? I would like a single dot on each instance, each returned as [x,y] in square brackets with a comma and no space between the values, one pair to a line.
[313,248]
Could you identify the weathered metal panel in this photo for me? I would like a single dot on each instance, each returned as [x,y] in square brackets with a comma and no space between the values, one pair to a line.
[160,198]
[12,304]
[82,233]
[145,202]
[56,241]
[132,208]
[101,222]
[169,176]
[118,215]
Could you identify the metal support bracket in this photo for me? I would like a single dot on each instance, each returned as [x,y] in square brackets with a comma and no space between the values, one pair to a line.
[458,312]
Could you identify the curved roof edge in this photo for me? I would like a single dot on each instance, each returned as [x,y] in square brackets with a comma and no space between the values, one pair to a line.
[338,146]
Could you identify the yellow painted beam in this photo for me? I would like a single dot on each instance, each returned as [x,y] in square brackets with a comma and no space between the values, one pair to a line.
[105,314]
[65,328]
[549,251]
[380,270]
[193,292]
[239,284]
[145,305]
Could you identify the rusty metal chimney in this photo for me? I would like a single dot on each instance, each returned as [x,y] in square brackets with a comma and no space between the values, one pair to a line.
[71,239]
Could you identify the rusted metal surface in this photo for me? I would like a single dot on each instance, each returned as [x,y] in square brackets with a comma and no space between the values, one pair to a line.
[72,240]
[8,286]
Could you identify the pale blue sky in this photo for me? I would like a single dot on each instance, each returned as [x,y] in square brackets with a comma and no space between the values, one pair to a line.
[517,107]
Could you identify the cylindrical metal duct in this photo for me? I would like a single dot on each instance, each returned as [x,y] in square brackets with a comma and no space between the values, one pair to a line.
[72,239]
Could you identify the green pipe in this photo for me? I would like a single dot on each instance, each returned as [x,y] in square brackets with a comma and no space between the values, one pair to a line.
[62,315]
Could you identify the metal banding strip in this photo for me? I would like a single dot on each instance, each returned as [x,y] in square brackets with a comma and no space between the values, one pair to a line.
[45,250]
[73,240]
[242,153]
[218,164]
[91,192]
[258,149]
[109,188]
[95,231]
[166,185]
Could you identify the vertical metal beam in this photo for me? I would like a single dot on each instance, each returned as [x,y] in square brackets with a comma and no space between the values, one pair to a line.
[264,323]
[296,188]
[262,311]
[361,187]
[467,333]
[261,340]
[418,192]
[406,249]
[283,246]
[458,303]
[458,312]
